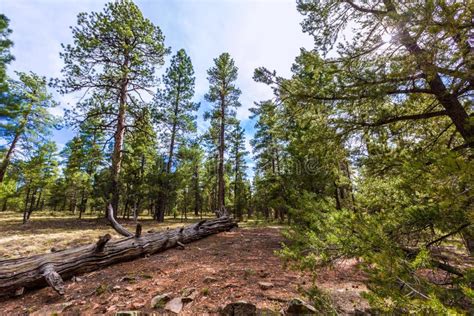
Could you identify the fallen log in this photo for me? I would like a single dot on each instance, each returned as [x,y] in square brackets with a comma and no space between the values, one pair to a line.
[51,269]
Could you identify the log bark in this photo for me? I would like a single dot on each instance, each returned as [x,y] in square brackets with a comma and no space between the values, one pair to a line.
[116,225]
[52,268]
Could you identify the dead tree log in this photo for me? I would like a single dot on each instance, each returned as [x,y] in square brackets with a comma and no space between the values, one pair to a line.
[52,268]
[118,228]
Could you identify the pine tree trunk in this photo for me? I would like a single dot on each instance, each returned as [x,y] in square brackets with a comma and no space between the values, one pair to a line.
[468,237]
[221,184]
[4,207]
[6,160]
[450,102]
[118,142]
[197,201]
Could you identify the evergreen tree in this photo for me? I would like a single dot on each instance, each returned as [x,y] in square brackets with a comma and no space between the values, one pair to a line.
[5,56]
[141,152]
[237,157]
[26,117]
[83,156]
[224,94]
[267,141]
[114,56]
[175,114]
[396,112]
[39,172]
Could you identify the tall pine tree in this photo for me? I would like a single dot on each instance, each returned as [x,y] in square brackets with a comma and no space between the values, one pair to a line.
[114,55]
[224,94]
[176,114]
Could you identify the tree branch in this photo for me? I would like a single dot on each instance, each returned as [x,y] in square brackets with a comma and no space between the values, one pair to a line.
[399,118]
[447,235]
[364,10]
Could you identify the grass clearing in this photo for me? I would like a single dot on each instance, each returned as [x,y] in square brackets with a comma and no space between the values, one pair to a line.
[44,232]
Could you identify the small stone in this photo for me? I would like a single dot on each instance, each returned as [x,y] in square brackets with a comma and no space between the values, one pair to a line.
[188,291]
[240,308]
[263,274]
[138,305]
[77,279]
[298,307]
[160,300]
[128,279]
[128,313]
[265,285]
[129,288]
[209,279]
[189,295]
[175,305]
[20,291]
[116,288]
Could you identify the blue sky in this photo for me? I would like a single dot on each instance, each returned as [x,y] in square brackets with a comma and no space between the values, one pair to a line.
[255,32]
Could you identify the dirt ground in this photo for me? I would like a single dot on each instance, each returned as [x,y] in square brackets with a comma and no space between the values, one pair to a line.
[222,268]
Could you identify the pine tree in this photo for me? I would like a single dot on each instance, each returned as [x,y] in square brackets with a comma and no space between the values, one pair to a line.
[224,94]
[237,158]
[39,173]
[141,152]
[114,56]
[5,56]
[26,117]
[402,113]
[175,114]
[83,156]
[267,141]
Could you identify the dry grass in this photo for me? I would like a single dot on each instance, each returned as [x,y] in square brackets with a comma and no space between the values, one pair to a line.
[44,232]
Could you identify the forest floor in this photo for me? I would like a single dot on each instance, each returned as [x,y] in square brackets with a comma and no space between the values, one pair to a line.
[223,268]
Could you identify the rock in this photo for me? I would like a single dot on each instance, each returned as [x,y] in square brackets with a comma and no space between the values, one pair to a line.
[189,295]
[265,285]
[128,313]
[240,308]
[175,305]
[128,279]
[116,288]
[159,301]
[209,279]
[138,305]
[298,307]
[20,291]
[263,274]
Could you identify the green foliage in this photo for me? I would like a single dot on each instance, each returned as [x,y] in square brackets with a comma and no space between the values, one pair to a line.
[26,119]
[224,95]
[384,178]
[5,56]
[111,45]
[240,186]
[175,108]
